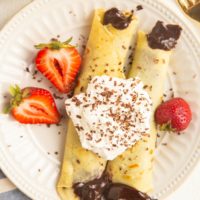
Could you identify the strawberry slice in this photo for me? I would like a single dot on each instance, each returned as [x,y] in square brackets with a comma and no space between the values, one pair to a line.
[33,106]
[59,63]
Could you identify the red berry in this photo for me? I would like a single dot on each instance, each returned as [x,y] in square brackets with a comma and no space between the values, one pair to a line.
[33,106]
[174,114]
[59,63]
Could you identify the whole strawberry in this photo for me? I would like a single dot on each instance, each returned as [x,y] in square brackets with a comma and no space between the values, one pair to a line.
[32,105]
[60,63]
[174,115]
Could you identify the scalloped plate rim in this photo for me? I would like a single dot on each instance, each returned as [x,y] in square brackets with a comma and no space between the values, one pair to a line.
[3,33]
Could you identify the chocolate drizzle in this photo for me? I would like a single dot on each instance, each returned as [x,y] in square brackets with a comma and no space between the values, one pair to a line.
[164,37]
[103,188]
[117,19]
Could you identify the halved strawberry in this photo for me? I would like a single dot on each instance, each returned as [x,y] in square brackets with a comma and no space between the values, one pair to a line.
[33,106]
[59,63]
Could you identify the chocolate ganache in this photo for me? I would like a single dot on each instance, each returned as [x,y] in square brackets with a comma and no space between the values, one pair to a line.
[92,190]
[104,189]
[118,191]
[164,37]
[117,19]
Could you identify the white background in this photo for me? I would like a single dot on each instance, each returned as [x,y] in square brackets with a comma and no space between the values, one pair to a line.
[190,189]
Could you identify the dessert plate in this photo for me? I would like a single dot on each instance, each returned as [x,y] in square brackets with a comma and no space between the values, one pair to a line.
[30,155]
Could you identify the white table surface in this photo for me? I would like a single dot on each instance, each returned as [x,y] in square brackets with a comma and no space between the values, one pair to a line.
[190,189]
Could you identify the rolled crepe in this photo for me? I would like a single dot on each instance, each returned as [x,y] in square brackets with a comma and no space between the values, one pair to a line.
[134,166]
[106,54]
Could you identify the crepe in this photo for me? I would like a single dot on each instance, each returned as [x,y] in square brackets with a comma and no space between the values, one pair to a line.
[106,54]
[134,166]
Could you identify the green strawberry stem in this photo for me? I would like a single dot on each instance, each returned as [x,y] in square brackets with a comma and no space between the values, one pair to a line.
[55,45]
[17,96]
[166,127]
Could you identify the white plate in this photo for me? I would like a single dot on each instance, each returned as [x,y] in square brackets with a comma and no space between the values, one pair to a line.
[30,155]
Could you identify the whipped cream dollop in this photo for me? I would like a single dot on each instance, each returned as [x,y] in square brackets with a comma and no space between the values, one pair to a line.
[111,116]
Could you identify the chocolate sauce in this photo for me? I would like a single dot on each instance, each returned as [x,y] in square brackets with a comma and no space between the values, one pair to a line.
[92,190]
[103,188]
[139,7]
[164,37]
[118,191]
[117,19]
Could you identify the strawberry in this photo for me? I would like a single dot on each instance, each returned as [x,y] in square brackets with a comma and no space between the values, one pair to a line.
[174,115]
[59,63]
[32,106]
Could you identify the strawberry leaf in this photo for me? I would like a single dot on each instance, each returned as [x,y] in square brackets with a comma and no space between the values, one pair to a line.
[68,41]
[7,109]
[42,46]
[16,98]
[55,45]
[17,88]
[12,91]
[25,93]
[166,127]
